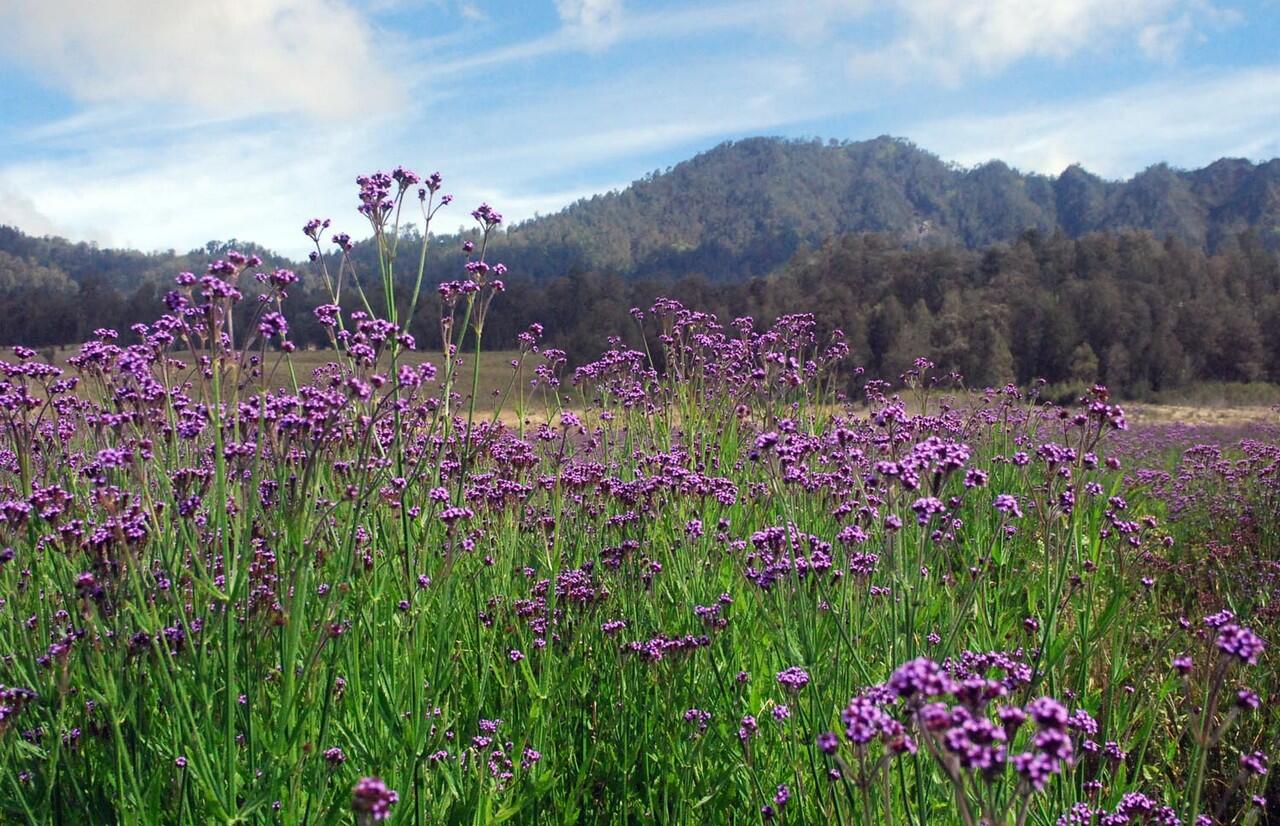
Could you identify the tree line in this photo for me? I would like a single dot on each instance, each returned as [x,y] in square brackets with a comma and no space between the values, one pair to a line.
[1137,312]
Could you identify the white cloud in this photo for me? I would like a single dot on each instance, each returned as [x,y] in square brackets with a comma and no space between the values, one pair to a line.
[182,183]
[594,24]
[319,57]
[526,50]
[1187,121]
[256,185]
[518,205]
[650,110]
[950,39]
[1164,40]
[130,172]
[261,185]
[936,40]
[18,210]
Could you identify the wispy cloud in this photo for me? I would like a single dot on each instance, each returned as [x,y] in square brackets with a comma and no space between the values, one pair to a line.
[218,184]
[522,204]
[951,39]
[184,118]
[1165,40]
[18,210]
[939,40]
[1114,135]
[472,12]
[593,23]
[318,57]
[651,109]
[260,182]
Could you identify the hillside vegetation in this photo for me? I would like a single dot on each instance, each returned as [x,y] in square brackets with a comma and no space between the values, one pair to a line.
[1151,284]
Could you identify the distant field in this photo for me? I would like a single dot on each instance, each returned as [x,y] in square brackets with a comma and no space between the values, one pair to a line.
[1194,414]
[1205,404]
[495,369]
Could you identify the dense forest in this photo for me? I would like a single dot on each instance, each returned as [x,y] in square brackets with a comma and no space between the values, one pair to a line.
[1139,313]
[745,208]
[1167,279]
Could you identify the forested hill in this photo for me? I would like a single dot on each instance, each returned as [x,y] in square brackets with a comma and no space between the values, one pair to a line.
[746,207]
[54,291]
[1167,279]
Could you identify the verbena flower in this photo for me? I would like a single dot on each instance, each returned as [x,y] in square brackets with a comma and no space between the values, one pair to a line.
[372,799]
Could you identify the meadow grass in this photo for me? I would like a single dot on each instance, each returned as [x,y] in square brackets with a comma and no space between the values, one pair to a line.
[715,592]
[494,380]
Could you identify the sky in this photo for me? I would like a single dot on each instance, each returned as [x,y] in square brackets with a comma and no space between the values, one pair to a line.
[157,125]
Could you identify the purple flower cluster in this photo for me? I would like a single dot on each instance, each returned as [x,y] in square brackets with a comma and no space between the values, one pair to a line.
[12,701]
[372,799]
[711,479]
[793,678]
[1133,808]
[662,647]
[960,716]
[1241,643]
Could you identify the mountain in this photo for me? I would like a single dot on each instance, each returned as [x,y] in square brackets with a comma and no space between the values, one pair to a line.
[1169,278]
[745,207]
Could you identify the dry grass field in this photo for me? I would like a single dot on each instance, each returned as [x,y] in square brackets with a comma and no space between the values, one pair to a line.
[495,384]
[1206,415]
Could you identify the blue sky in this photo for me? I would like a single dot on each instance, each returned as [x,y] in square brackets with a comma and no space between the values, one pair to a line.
[158,124]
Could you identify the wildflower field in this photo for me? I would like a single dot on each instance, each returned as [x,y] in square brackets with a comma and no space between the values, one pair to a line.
[715,577]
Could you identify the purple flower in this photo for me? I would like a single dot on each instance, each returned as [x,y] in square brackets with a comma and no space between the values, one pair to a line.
[273,324]
[1048,713]
[920,676]
[698,717]
[1219,619]
[327,314]
[1241,643]
[1006,503]
[1036,767]
[372,799]
[453,514]
[793,678]
[487,216]
[1255,763]
[926,508]
[863,720]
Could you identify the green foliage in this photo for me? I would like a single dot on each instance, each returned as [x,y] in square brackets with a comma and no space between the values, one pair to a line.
[1169,278]
[224,604]
[745,207]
